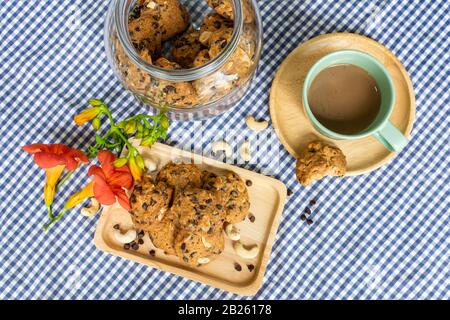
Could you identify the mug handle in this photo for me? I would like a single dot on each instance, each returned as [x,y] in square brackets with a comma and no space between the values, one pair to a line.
[391,137]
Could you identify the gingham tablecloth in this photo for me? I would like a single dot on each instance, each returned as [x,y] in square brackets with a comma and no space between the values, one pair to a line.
[383,235]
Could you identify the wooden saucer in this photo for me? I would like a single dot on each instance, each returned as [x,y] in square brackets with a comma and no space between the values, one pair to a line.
[286,108]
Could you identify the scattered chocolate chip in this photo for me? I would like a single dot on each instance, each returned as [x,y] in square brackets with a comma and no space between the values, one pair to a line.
[312,202]
[141,241]
[303,217]
[248,183]
[141,234]
[251,217]
[116,226]
[250,267]
[126,246]
[307,210]
[289,192]
[309,221]
[134,246]
[152,252]
[237,267]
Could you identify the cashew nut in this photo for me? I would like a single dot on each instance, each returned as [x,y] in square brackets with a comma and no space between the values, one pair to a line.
[232,232]
[244,150]
[222,146]
[126,237]
[151,164]
[91,209]
[246,252]
[206,243]
[204,37]
[256,125]
[203,260]
[151,5]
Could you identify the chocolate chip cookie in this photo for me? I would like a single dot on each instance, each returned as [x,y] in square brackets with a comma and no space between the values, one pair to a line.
[180,94]
[198,210]
[186,48]
[231,192]
[162,233]
[149,202]
[198,248]
[180,175]
[319,160]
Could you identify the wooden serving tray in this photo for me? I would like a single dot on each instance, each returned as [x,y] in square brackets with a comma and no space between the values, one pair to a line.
[267,198]
[291,124]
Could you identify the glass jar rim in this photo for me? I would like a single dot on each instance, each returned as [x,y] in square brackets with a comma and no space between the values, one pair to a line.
[120,17]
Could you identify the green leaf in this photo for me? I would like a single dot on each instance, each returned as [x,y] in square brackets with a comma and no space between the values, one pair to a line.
[99,140]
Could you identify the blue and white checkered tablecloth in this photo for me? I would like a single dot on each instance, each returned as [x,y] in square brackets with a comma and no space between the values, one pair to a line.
[384,235]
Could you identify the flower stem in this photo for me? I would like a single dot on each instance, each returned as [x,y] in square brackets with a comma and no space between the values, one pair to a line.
[64,179]
[54,219]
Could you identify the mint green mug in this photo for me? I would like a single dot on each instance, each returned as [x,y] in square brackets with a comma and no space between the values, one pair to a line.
[381,128]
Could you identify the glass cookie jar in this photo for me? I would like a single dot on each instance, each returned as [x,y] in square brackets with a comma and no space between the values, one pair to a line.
[192,58]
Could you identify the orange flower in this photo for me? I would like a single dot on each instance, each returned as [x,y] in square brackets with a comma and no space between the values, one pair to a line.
[110,182]
[54,158]
[87,115]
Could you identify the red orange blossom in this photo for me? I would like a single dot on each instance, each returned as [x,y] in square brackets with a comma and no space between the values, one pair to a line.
[54,158]
[108,185]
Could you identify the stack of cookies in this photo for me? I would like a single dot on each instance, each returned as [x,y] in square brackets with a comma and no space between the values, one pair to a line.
[184,210]
[152,22]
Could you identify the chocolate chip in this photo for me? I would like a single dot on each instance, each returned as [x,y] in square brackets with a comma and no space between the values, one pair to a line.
[210,230]
[248,183]
[141,234]
[152,253]
[208,200]
[144,206]
[289,192]
[251,217]
[307,210]
[237,267]
[312,202]
[202,207]
[116,226]
[309,221]
[135,246]
[126,246]
[250,267]
[303,217]
[141,241]
[183,247]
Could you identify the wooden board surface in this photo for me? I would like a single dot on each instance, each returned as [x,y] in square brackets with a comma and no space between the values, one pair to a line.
[286,108]
[267,198]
